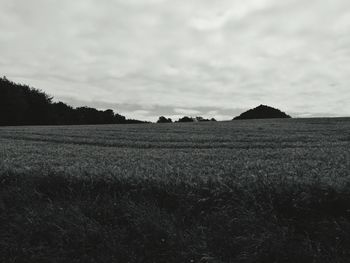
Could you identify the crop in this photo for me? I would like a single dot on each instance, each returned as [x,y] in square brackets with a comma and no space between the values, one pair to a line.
[241,191]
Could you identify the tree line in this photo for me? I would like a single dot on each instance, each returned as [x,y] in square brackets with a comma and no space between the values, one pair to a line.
[24,105]
[163,119]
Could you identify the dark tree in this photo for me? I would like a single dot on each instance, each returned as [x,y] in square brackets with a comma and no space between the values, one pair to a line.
[87,115]
[186,119]
[20,104]
[23,105]
[201,119]
[39,107]
[119,118]
[63,114]
[163,119]
[107,116]
[13,103]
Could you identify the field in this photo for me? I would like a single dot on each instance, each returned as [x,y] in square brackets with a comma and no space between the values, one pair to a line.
[242,191]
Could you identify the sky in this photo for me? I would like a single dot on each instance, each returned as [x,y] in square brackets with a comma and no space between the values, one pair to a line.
[147,58]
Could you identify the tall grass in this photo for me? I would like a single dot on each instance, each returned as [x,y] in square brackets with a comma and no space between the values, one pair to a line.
[70,219]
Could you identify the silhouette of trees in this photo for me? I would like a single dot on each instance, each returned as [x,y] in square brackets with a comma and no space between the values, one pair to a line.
[201,119]
[63,114]
[108,116]
[23,105]
[163,119]
[121,119]
[186,119]
[38,107]
[196,119]
[262,112]
[20,105]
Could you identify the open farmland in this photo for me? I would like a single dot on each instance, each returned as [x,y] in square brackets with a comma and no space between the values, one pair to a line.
[241,191]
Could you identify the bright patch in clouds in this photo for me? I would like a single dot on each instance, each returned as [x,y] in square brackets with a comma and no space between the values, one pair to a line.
[146,58]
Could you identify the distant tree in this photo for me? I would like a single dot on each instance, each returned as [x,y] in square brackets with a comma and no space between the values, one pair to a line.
[13,103]
[119,119]
[186,119]
[20,104]
[87,115]
[201,119]
[163,119]
[39,107]
[23,105]
[107,116]
[62,114]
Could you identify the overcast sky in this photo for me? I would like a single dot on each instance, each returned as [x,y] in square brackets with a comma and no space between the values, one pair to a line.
[145,58]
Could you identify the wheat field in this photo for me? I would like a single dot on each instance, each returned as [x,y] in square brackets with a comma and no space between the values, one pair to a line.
[240,191]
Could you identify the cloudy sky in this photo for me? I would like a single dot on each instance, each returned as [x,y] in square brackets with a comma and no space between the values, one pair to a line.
[145,58]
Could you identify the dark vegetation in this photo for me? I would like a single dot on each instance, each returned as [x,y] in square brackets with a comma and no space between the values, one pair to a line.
[58,218]
[23,105]
[163,119]
[272,191]
[200,119]
[262,112]
[196,119]
[186,119]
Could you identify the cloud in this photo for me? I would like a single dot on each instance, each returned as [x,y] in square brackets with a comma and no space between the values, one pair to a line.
[187,111]
[162,54]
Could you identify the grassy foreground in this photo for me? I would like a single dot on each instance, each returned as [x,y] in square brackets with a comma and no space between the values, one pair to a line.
[250,192]
[69,219]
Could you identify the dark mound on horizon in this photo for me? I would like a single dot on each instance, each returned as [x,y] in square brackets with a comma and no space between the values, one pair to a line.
[262,112]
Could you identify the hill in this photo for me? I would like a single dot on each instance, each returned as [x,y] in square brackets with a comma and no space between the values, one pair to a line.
[263,112]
